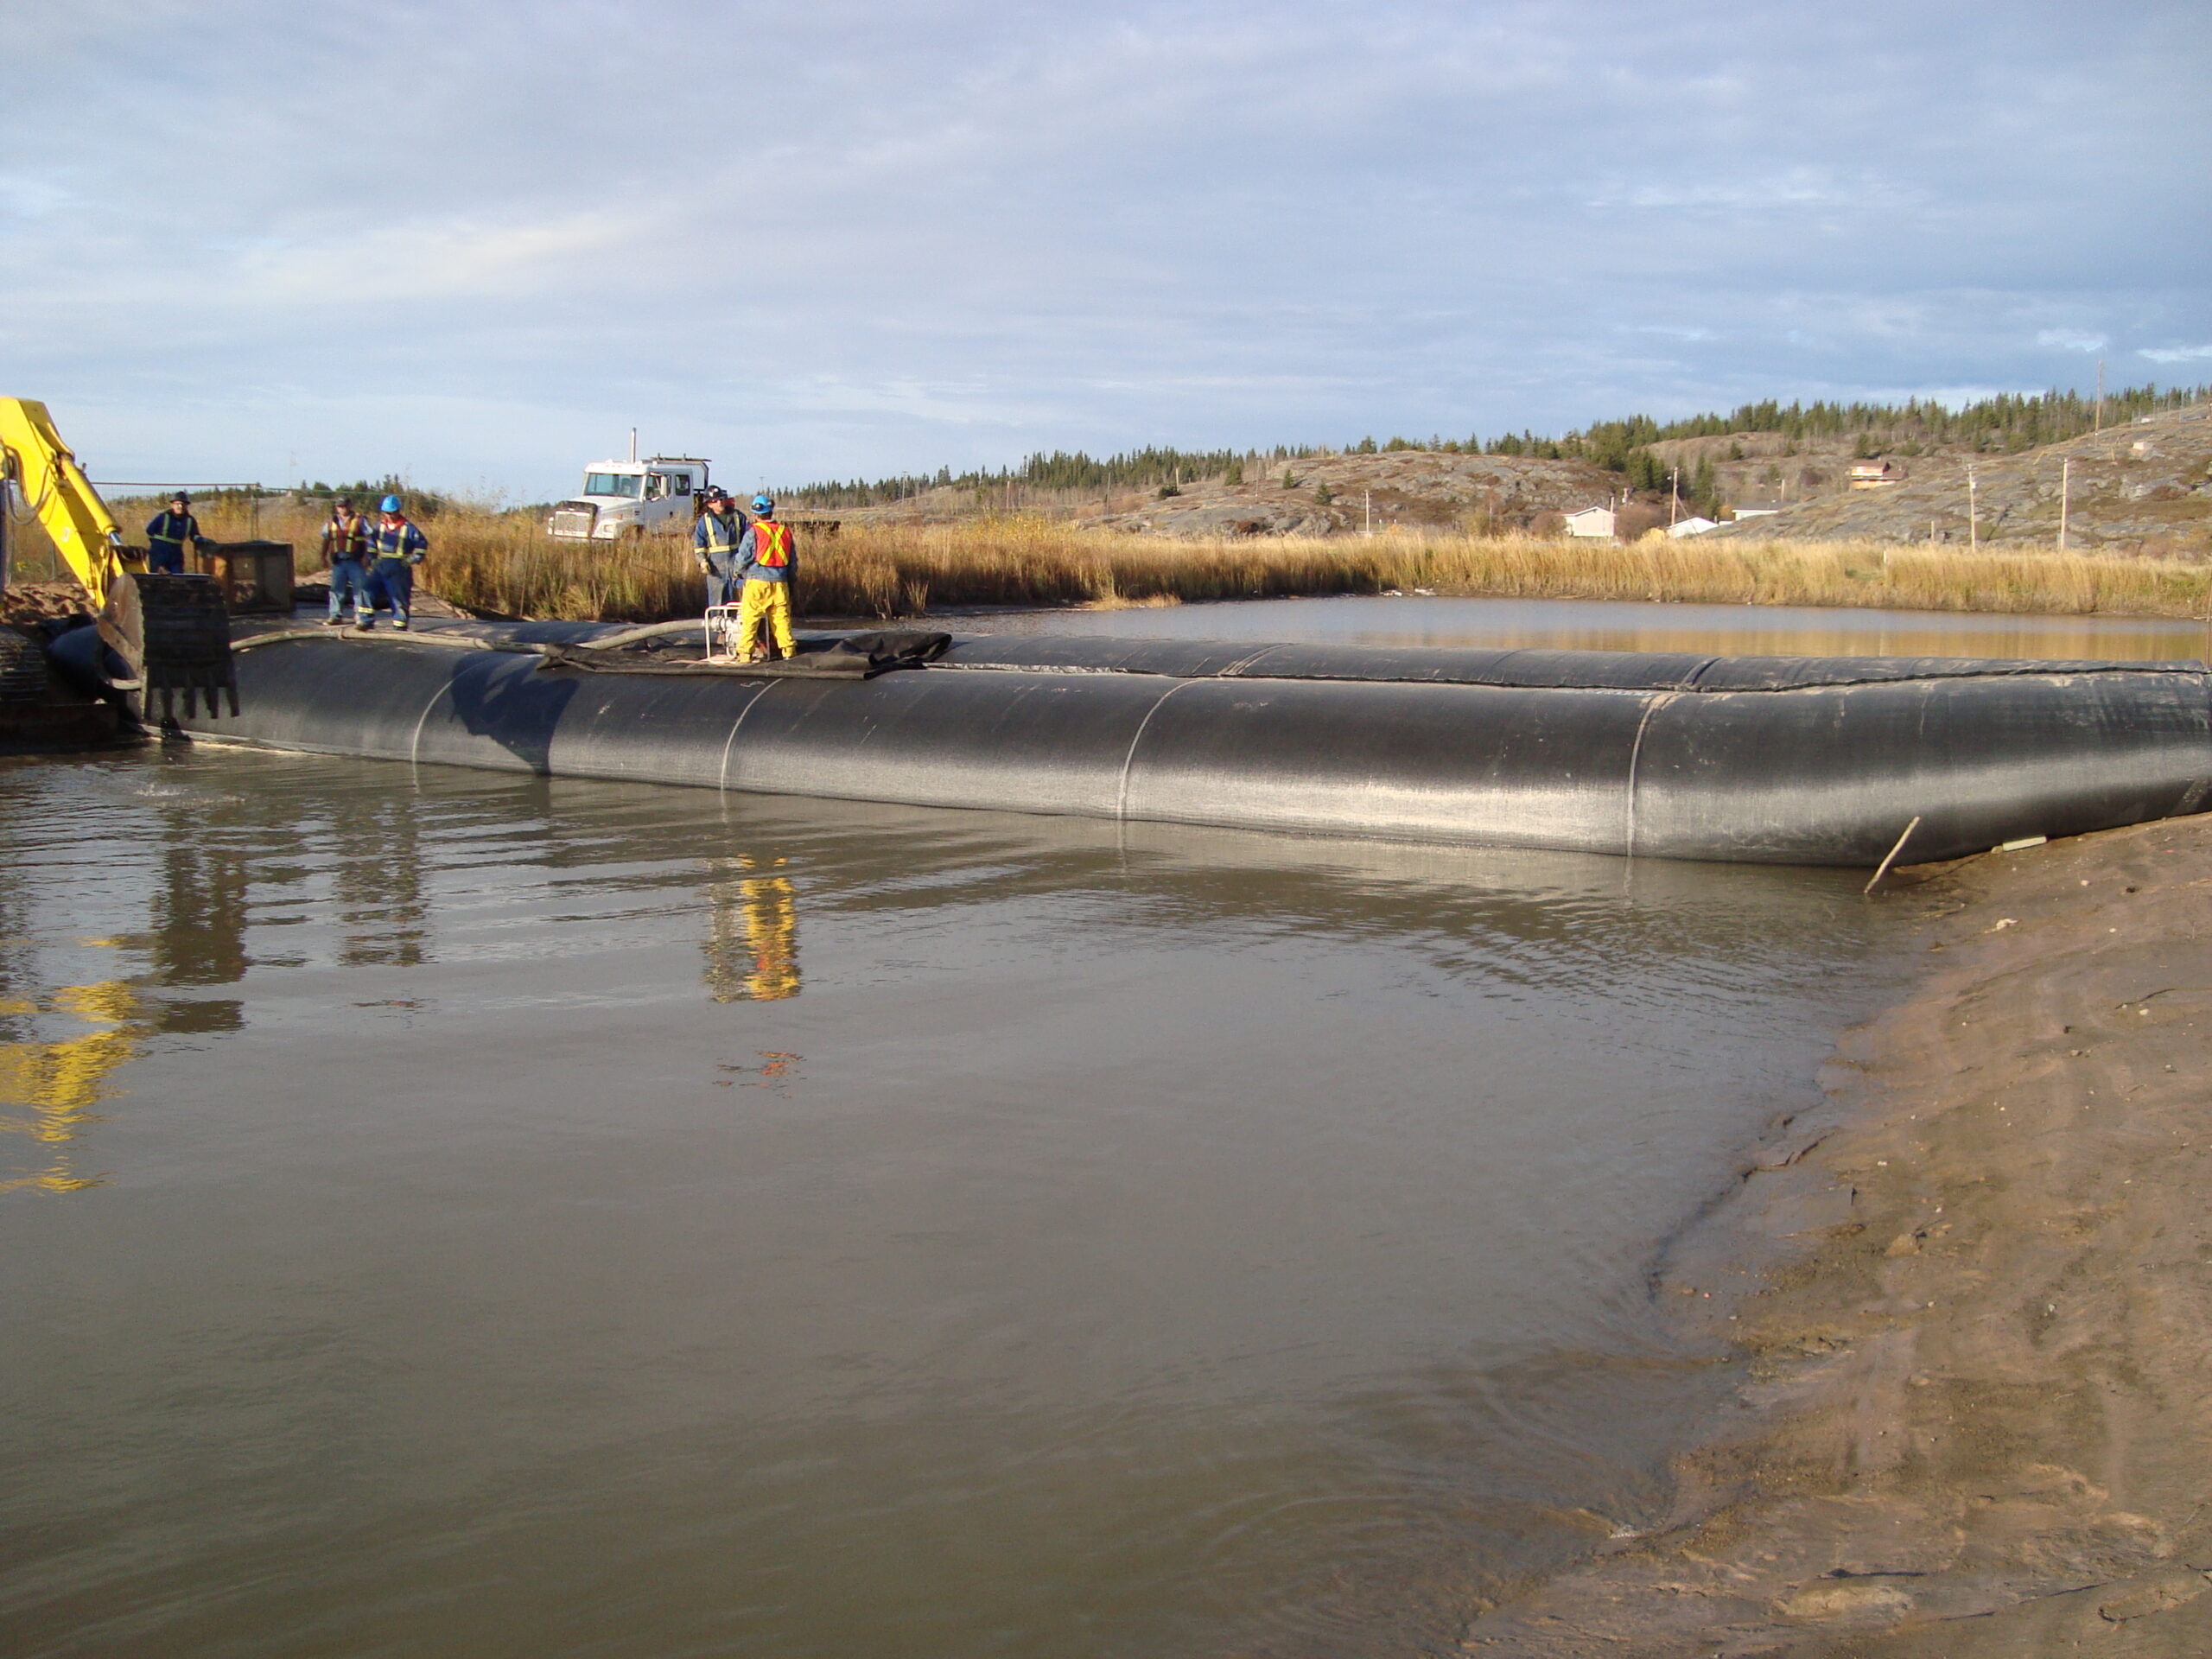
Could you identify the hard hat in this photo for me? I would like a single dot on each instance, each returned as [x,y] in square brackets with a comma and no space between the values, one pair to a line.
[182,498]
[763,503]
[390,504]
[715,492]
[345,501]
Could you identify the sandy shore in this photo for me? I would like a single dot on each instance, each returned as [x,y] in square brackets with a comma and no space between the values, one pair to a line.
[1975,1293]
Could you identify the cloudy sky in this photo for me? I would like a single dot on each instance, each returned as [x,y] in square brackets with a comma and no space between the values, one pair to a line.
[476,242]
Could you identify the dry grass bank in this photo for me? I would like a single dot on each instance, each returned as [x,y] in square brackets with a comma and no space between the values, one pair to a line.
[506,563]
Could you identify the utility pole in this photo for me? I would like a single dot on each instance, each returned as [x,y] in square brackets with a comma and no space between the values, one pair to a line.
[1973,518]
[1367,498]
[1674,501]
[2100,394]
[2065,498]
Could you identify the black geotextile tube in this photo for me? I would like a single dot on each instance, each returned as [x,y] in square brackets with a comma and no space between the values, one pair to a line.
[1773,759]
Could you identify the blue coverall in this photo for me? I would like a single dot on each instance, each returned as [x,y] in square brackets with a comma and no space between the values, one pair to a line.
[396,548]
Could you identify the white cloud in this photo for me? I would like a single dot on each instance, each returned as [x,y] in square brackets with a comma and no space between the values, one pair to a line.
[2176,354]
[436,260]
[24,195]
[1796,189]
[2070,339]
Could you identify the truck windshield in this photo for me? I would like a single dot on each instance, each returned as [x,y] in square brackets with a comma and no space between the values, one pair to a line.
[613,484]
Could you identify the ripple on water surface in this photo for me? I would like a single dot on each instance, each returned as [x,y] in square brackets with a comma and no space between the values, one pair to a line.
[451,1213]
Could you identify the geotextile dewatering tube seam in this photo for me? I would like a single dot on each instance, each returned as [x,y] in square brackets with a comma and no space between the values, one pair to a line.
[1776,759]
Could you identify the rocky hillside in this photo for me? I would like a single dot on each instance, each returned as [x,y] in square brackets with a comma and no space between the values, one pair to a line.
[1323,495]
[2144,486]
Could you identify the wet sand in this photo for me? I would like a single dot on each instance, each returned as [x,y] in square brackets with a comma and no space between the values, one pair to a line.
[1975,1295]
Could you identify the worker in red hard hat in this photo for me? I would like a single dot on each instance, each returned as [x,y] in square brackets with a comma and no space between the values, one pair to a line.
[345,547]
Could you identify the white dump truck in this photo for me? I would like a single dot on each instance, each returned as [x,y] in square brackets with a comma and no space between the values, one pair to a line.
[632,497]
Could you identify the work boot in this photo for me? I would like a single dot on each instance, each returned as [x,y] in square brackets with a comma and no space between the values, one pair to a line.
[365,624]
[400,626]
[334,622]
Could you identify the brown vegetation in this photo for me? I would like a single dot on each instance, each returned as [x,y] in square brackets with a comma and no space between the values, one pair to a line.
[505,563]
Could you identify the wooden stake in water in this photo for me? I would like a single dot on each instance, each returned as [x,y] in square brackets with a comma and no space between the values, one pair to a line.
[1894,851]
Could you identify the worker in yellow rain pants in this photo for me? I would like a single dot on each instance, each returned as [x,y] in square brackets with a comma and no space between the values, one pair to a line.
[769,564]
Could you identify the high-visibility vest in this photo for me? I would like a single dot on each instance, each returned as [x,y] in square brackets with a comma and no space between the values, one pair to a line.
[722,533]
[349,536]
[771,543]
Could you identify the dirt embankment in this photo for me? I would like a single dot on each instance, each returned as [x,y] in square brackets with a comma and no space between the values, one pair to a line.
[27,604]
[1979,1418]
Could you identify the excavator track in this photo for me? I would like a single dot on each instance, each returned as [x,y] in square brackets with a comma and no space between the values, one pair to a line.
[22,671]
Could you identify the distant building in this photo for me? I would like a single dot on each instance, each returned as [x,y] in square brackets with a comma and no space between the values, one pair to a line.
[1692,526]
[1874,474]
[1742,513]
[1592,524]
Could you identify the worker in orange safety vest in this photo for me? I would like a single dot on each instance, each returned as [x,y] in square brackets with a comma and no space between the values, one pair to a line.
[768,562]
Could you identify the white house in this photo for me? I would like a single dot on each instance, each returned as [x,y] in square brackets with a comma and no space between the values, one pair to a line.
[1742,513]
[1692,526]
[1594,524]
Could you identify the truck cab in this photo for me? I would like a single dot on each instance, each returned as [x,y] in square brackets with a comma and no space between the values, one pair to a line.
[658,494]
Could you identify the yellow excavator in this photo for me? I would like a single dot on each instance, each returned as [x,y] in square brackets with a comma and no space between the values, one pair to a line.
[151,632]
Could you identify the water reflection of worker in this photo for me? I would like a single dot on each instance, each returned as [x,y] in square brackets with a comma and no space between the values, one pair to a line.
[168,531]
[715,540]
[200,911]
[379,884]
[753,945]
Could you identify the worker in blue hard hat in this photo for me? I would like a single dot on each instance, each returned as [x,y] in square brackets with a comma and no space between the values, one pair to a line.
[768,560]
[714,543]
[396,547]
[168,531]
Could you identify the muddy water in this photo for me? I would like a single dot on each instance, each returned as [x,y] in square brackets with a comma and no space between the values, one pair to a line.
[1591,625]
[455,1215]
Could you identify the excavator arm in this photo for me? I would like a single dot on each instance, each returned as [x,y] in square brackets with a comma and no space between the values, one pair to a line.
[151,633]
[61,498]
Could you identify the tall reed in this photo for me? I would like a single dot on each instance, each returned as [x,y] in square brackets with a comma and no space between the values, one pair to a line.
[506,563]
